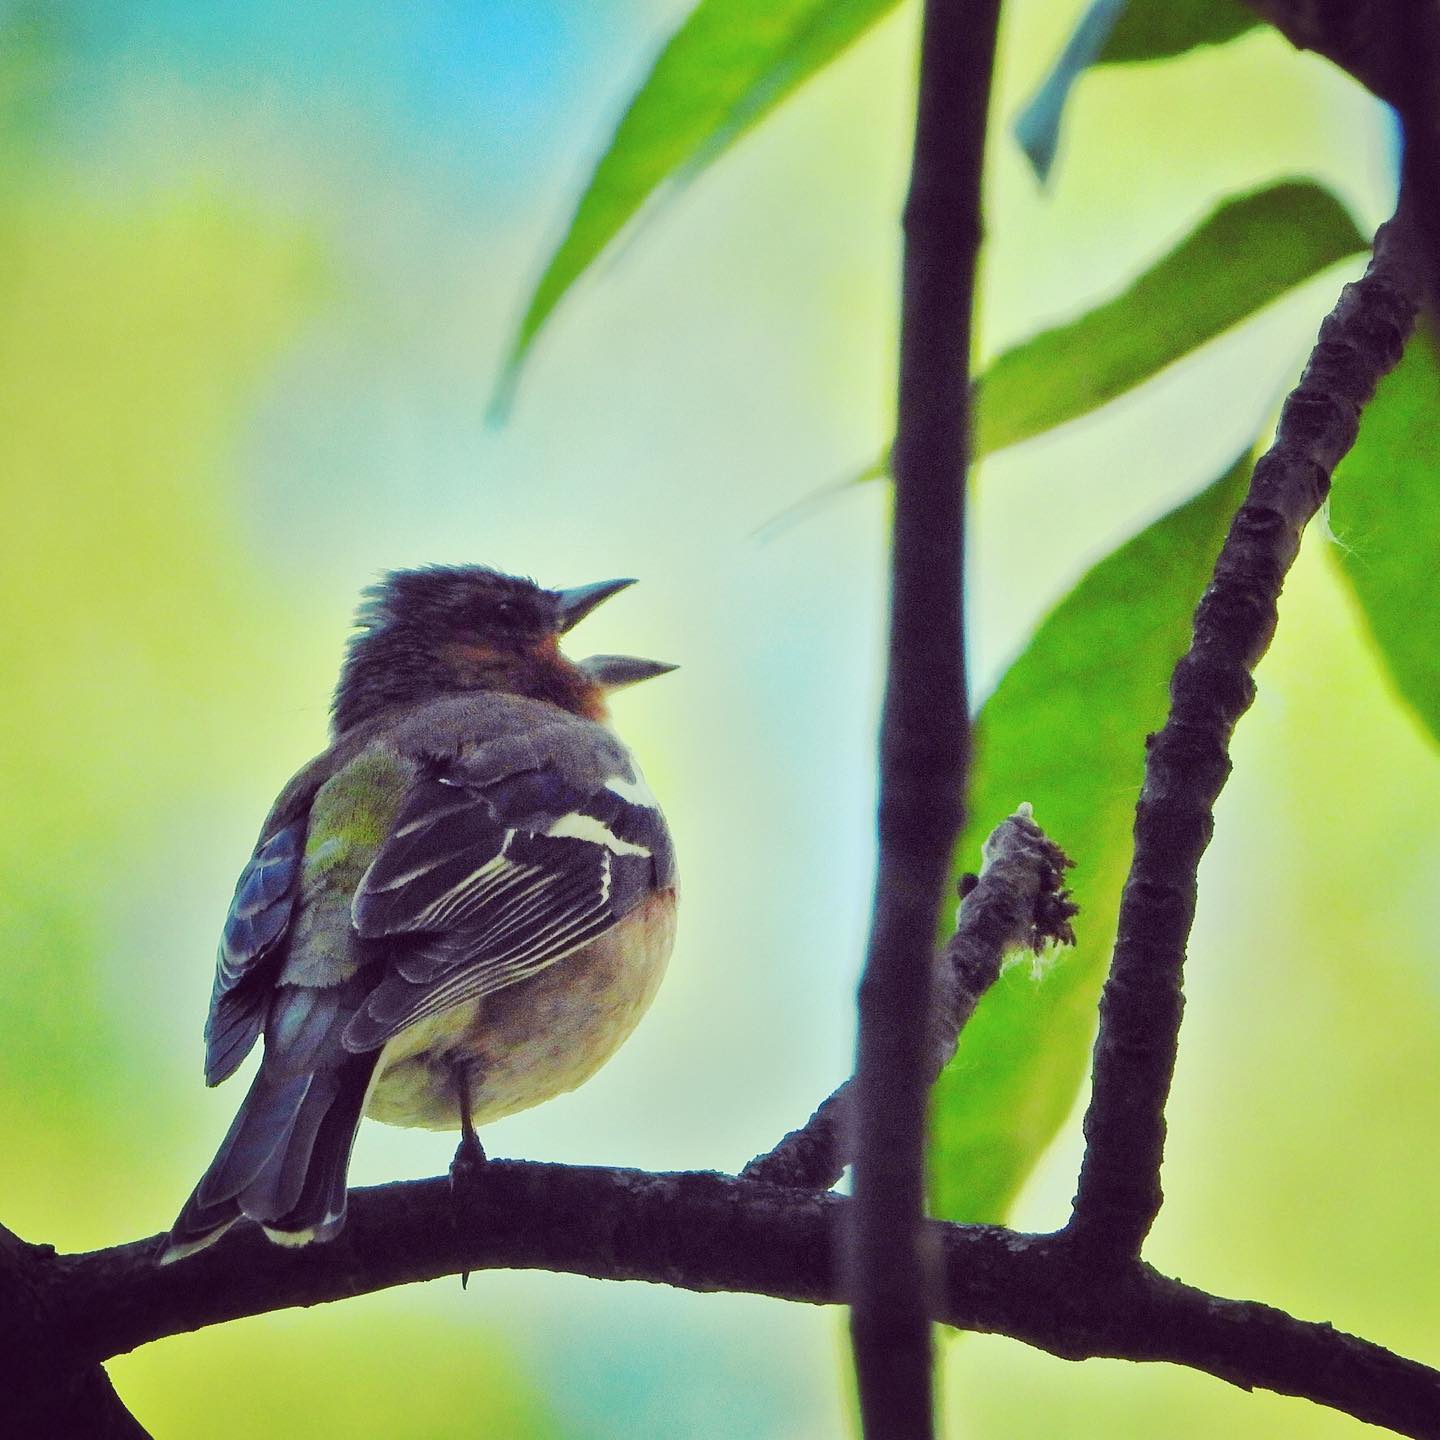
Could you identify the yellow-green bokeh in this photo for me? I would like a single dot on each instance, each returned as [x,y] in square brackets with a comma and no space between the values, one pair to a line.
[257,267]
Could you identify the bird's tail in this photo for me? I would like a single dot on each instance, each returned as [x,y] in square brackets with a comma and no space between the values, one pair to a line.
[284,1160]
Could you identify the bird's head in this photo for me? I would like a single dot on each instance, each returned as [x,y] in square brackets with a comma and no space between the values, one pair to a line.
[443,629]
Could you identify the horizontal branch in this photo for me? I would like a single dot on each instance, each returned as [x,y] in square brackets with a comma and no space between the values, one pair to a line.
[710,1232]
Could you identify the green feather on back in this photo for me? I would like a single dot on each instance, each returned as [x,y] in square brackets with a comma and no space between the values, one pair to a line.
[351,815]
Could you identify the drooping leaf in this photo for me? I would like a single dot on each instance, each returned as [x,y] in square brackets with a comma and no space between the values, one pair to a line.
[1114,32]
[1385,512]
[1037,126]
[727,66]
[1065,730]
[1245,254]
[1248,252]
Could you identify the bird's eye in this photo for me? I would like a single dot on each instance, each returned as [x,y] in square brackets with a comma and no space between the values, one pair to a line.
[506,610]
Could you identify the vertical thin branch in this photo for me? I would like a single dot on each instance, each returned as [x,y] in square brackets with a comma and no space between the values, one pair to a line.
[925,737]
[1188,762]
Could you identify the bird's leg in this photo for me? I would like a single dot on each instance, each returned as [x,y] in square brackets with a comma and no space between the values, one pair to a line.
[470,1153]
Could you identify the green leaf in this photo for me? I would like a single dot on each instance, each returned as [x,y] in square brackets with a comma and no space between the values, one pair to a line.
[1247,253]
[727,66]
[1159,29]
[1065,729]
[1112,32]
[1385,512]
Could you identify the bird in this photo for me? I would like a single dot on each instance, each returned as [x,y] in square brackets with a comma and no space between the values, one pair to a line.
[459,910]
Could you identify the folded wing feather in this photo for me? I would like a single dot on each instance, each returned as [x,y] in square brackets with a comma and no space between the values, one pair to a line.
[496,878]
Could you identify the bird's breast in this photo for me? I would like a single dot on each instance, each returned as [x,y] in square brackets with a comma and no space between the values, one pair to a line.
[532,1040]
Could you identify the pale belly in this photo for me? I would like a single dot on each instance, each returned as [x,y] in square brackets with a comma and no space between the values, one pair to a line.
[533,1040]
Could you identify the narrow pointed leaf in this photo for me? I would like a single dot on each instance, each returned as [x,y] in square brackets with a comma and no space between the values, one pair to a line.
[32,42]
[1065,730]
[1248,252]
[1037,126]
[728,65]
[1385,512]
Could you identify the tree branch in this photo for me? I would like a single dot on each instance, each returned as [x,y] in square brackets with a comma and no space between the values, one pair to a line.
[1188,762]
[1416,40]
[1016,902]
[1357,35]
[61,1316]
[42,1390]
[711,1233]
[1392,47]
[813,1157]
[925,732]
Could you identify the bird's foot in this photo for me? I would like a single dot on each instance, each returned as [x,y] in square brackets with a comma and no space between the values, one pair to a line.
[465,1171]
[469,1160]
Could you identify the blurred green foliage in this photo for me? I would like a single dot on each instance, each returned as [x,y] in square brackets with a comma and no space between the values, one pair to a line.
[1245,254]
[1385,513]
[129,343]
[134,342]
[31,38]
[723,70]
[1064,729]
[730,63]
[319,1380]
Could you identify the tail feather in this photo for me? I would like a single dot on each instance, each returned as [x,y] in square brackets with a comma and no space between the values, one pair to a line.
[262,1125]
[318,1209]
[273,1190]
[284,1160]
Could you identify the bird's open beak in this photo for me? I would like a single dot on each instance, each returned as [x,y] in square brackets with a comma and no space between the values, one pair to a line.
[615,672]
[578,601]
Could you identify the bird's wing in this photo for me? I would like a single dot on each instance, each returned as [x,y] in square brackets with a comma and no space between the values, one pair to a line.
[250,947]
[499,863]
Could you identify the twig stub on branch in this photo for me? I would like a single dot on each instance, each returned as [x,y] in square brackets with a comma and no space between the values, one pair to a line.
[1016,902]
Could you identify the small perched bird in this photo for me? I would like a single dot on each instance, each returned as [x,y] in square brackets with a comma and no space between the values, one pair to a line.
[460,909]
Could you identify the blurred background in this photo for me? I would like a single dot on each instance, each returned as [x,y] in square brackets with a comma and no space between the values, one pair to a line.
[259,265]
